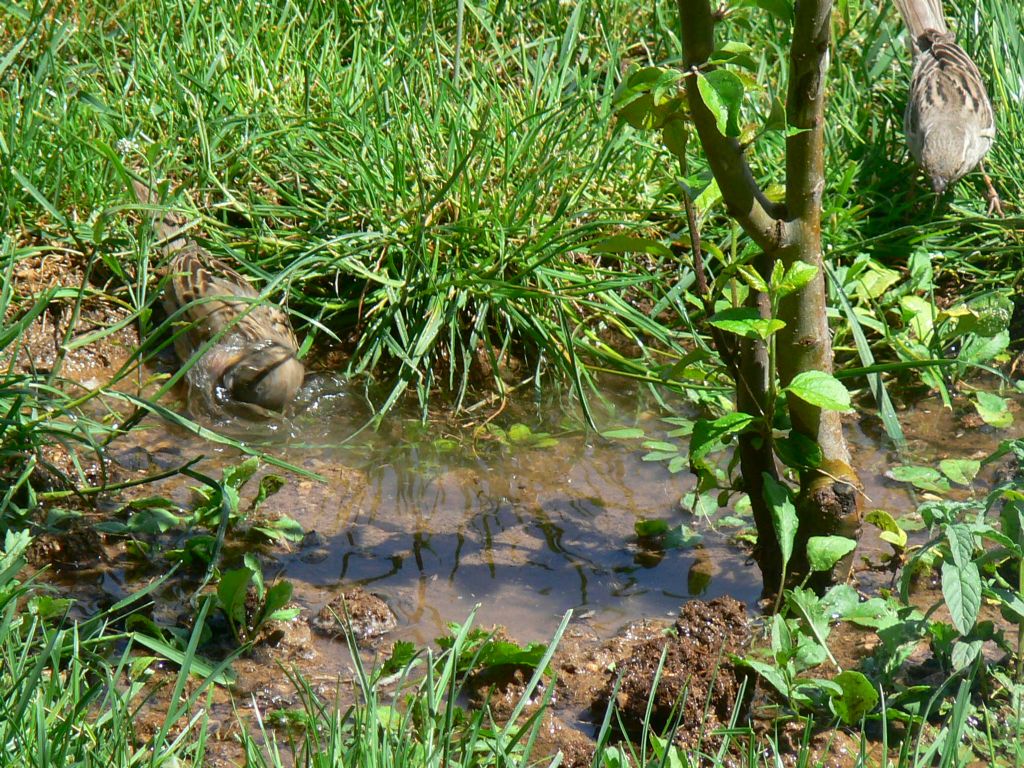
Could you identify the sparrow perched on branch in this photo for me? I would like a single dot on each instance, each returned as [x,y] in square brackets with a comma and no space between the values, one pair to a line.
[252,358]
[949,121]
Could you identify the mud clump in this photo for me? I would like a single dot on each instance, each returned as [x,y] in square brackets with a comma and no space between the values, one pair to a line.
[697,675]
[367,615]
[79,547]
[698,682]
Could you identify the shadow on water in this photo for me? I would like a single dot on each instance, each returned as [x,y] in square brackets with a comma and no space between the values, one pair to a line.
[438,522]
[437,519]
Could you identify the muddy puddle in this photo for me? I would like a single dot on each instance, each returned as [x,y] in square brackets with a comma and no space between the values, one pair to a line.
[436,519]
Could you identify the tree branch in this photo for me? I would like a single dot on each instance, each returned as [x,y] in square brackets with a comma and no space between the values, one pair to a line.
[763,220]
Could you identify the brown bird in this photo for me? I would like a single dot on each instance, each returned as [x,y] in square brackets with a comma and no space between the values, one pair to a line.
[949,120]
[252,361]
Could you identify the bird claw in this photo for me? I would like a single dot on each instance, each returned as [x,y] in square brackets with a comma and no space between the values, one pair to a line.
[995,204]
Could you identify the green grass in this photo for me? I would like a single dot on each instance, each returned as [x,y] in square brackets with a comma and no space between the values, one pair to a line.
[426,185]
[72,692]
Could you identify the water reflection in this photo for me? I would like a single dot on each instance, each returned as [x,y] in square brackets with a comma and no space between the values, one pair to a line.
[438,525]
[529,532]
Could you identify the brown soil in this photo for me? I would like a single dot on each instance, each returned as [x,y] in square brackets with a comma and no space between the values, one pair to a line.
[696,671]
[366,615]
[587,671]
[50,340]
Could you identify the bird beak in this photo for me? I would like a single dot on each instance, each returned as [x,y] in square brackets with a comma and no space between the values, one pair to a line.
[938,185]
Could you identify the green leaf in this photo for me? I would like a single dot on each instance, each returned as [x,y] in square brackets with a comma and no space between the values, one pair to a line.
[776,120]
[961,588]
[231,593]
[781,9]
[799,451]
[154,520]
[682,537]
[823,552]
[961,544]
[238,475]
[746,322]
[799,274]
[960,471]
[282,529]
[631,244]
[890,529]
[253,564]
[675,135]
[993,410]
[277,597]
[647,529]
[722,93]
[520,434]
[820,389]
[784,519]
[752,278]
[857,699]
[624,433]
[707,434]
[964,654]
[811,610]
[770,673]
[196,666]
[402,655]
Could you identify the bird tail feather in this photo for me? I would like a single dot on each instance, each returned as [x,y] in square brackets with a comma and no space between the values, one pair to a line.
[165,225]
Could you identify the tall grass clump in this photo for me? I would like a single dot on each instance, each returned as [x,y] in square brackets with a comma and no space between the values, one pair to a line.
[426,178]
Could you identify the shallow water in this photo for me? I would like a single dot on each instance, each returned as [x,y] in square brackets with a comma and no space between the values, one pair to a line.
[435,520]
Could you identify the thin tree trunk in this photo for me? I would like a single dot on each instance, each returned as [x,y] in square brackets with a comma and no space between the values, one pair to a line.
[828,501]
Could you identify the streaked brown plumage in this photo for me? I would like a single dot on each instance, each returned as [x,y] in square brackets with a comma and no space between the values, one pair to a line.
[252,361]
[949,120]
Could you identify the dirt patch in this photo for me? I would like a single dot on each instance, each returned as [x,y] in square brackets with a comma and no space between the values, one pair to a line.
[58,340]
[366,615]
[696,674]
[78,547]
[590,671]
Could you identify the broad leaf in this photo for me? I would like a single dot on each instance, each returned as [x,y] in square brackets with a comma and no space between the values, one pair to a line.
[823,552]
[799,274]
[746,322]
[961,588]
[231,593]
[722,93]
[925,478]
[993,410]
[890,529]
[857,699]
[820,389]
[707,434]
[961,544]
[784,519]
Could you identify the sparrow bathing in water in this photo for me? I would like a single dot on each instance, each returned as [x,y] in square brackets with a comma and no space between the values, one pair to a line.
[251,364]
[949,120]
